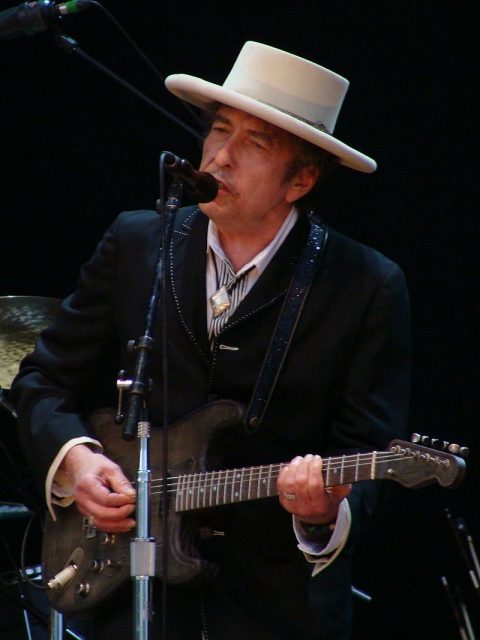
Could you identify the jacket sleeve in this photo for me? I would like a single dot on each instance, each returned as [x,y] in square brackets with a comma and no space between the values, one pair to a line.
[372,407]
[64,367]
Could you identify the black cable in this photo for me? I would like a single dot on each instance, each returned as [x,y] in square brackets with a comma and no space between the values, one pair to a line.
[25,575]
[71,46]
[144,57]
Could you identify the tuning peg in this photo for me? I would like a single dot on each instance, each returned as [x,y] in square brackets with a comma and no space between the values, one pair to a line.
[442,445]
[417,437]
[457,450]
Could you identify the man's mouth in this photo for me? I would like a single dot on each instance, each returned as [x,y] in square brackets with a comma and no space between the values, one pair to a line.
[222,185]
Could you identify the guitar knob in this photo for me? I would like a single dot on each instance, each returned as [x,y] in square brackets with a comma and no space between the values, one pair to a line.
[415,438]
[107,539]
[96,566]
[99,565]
[464,452]
[426,440]
[435,443]
[83,589]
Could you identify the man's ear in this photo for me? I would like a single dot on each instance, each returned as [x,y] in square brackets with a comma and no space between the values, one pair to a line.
[302,182]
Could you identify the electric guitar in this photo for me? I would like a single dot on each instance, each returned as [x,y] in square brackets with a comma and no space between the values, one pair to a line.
[85,566]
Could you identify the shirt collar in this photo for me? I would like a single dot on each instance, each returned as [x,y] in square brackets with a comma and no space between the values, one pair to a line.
[261,260]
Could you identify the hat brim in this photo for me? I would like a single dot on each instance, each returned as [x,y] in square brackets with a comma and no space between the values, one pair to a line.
[204,94]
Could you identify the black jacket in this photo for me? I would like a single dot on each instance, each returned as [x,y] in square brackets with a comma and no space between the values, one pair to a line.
[343,388]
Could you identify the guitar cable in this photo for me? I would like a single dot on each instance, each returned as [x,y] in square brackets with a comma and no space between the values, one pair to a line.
[69,45]
[195,116]
[23,568]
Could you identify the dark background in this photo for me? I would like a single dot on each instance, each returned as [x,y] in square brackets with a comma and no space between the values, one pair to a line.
[75,149]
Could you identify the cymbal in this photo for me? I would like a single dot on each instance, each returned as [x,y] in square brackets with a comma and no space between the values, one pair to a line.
[22,318]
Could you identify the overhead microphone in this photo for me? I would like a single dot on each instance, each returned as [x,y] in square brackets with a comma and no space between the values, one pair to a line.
[31,17]
[200,185]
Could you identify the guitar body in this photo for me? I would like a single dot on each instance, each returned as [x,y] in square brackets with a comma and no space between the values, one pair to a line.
[103,560]
[197,481]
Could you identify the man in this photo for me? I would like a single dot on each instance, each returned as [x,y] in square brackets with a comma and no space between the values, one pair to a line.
[343,387]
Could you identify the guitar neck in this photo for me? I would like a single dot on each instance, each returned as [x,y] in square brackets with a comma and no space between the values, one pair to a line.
[216,488]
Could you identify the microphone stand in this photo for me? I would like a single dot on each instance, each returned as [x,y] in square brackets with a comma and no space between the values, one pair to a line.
[70,45]
[143,546]
[466,548]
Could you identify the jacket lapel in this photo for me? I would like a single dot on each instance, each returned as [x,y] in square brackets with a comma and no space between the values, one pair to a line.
[275,280]
[188,268]
[187,275]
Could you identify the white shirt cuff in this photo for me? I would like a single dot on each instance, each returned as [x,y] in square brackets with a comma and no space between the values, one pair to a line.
[319,555]
[58,488]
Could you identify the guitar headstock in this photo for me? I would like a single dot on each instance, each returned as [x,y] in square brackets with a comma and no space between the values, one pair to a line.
[415,465]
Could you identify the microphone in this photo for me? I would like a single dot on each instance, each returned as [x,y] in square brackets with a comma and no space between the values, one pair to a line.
[200,185]
[31,17]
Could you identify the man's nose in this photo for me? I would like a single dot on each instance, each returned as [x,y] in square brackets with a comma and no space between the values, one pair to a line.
[225,154]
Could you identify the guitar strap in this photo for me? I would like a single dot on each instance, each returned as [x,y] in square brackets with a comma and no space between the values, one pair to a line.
[300,284]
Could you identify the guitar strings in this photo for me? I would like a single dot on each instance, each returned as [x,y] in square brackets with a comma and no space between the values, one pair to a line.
[349,462]
[228,477]
[265,470]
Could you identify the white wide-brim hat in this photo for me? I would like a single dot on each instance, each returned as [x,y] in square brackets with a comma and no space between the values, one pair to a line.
[288,91]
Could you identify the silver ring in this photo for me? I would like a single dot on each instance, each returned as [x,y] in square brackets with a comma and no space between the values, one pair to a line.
[289,496]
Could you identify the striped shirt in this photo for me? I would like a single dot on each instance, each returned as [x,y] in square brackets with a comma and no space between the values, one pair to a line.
[220,272]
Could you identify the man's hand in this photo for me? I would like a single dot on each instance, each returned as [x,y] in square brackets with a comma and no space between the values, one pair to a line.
[302,492]
[101,489]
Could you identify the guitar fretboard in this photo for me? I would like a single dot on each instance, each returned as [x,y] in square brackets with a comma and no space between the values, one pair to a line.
[216,488]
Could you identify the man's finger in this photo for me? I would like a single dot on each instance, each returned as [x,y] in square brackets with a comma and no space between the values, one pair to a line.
[123,526]
[120,484]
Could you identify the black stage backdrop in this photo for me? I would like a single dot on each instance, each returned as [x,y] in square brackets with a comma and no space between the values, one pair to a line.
[76,149]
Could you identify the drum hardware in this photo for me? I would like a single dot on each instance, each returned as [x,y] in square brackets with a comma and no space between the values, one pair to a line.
[18,501]
[12,510]
[11,583]
[11,586]
[22,318]
[16,580]
[18,493]
[29,574]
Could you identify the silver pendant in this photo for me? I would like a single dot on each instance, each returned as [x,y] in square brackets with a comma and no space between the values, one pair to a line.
[220,301]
